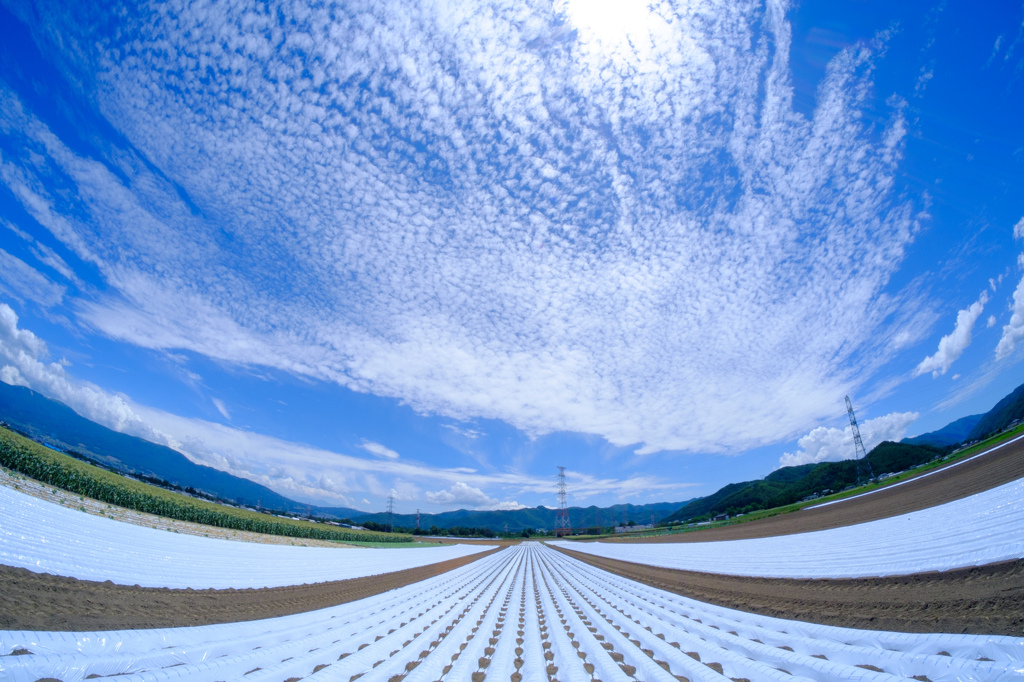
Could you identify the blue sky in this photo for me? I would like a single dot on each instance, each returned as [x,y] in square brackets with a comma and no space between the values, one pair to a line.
[365,249]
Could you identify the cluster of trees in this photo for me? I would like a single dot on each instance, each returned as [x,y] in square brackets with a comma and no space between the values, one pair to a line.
[458,531]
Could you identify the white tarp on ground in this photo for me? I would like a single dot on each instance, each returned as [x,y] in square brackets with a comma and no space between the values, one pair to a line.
[526,610]
[977,530]
[48,538]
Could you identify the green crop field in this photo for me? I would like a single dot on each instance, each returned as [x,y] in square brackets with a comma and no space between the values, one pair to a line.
[49,466]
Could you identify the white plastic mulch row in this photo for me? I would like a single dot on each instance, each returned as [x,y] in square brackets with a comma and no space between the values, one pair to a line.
[529,610]
[974,531]
[47,538]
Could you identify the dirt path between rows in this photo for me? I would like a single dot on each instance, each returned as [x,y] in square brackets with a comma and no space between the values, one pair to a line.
[988,600]
[944,485]
[37,601]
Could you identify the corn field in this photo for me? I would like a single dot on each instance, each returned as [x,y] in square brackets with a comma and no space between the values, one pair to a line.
[48,466]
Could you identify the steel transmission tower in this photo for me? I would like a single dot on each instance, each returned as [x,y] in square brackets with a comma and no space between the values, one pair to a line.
[858,444]
[562,524]
[417,519]
[391,512]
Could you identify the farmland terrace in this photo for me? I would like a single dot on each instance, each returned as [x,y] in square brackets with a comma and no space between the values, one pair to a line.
[529,611]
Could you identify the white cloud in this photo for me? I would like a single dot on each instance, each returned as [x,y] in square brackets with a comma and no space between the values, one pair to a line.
[471,434]
[510,505]
[23,356]
[825,444]
[10,375]
[379,450]
[219,404]
[590,236]
[952,345]
[1013,331]
[299,471]
[991,321]
[23,282]
[461,494]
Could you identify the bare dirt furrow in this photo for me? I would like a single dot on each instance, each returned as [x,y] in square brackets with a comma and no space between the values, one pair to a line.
[583,624]
[981,600]
[39,601]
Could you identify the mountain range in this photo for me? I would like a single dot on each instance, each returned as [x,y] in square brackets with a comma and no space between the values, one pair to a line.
[55,424]
[792,484]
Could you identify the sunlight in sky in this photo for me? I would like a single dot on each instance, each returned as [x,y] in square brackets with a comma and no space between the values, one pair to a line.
[612,22]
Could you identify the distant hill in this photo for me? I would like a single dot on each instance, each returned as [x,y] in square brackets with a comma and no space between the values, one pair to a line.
[531,517]
[950,434]
[792,484]
[999,417]
[55,423]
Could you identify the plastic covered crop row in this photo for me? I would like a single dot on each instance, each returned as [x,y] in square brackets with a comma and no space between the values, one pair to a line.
[48,538]
[974,531]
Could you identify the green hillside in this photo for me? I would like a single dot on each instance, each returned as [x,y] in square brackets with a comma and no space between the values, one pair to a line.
[792,484]
[1006,411]
[56,424]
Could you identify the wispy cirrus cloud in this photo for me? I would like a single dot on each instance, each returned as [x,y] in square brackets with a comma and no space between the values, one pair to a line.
[497,210]
[20,280]
[379,450]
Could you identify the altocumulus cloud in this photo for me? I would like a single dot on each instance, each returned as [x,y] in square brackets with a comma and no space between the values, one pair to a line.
[507,210]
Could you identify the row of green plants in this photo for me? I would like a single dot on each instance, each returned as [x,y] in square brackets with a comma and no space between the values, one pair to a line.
[61,471]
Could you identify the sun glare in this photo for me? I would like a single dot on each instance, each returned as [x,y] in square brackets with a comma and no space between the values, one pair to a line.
[611,22]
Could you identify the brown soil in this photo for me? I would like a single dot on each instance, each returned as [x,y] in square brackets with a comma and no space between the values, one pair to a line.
[985,600]
[988,600]
[35,601]
[945,485]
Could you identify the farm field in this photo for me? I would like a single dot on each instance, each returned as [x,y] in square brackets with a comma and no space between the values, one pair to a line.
[981,529]
[49,538]
[524,613]
[999,465]
[50,493]
[57,469]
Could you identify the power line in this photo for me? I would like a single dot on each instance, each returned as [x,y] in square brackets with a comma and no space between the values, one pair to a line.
[858,445]
[562,524]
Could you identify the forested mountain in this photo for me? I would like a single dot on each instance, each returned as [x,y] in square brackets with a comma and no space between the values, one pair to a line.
[792,484]
[1007,410]
[53,422]
[532,517]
